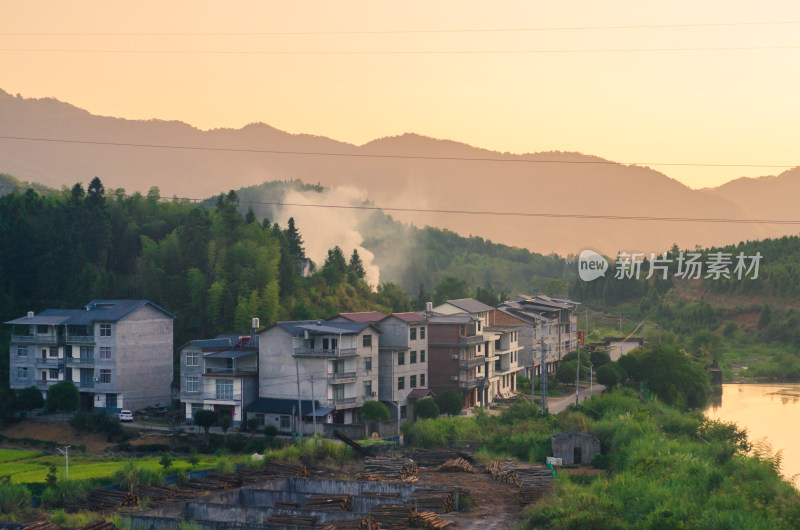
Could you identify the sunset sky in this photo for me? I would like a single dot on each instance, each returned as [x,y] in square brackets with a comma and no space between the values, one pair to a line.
[211,64]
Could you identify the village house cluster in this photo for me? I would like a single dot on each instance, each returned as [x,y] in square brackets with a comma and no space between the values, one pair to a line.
[299,375]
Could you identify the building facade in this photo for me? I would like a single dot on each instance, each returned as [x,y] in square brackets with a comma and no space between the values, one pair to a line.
[219,374]
[117,352]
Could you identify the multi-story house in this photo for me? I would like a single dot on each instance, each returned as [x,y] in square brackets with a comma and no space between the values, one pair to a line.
[544,322]
[403,362]
[502,366]
[457,357]
[333,363]
[219,374]
[117,352]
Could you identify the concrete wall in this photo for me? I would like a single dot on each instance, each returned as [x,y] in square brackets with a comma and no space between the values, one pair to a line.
[143,357]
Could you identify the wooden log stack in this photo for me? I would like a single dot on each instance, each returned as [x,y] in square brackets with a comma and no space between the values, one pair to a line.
[429,520]
[43,525]
[321,501]
[105,499]
[392,515]
[399,468]
[367,523]
[533,482]
[434,501]
[459,465]
[157,496]
[98,525]
[292,521]
[285,469]
[437,457]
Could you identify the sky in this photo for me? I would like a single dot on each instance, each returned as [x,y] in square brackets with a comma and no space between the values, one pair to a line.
[411,67]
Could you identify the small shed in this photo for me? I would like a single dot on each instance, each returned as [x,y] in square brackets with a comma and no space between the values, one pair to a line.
[575,447]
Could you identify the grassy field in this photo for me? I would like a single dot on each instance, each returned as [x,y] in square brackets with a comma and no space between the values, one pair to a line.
[33,466]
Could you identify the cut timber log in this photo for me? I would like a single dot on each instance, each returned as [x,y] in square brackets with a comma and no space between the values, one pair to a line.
[429,520]
[434,501]
[320,501]
[458,465]
[392,515]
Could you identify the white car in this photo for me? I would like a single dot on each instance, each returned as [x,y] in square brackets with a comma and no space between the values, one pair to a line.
[125,415]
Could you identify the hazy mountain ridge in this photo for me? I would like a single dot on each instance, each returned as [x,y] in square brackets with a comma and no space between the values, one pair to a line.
[532,182]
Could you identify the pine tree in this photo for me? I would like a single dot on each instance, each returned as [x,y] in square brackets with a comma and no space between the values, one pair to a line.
[356,265]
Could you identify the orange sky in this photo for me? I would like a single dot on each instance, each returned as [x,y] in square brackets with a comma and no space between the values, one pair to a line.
[715,107]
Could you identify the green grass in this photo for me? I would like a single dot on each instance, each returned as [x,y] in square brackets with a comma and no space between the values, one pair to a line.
[11,455]
[34,470]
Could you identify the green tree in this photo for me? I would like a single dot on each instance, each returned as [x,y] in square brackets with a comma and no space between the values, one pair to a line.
[599,358]
[608,375]
[672,375]
[29,398]
[63,396]
[166,460]
[225,423]
[426,408]
[334,270]
[450,402]
[374,411]
[206,419]
[193,459]
[451,288]
[356,266]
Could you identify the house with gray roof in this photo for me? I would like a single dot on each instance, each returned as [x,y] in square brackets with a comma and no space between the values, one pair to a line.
[334,363]
[117,352]
[219,374]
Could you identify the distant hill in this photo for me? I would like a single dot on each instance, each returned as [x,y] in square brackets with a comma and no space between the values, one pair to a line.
[554,182]
[9,183]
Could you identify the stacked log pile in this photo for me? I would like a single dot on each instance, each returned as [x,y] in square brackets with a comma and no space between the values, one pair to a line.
[321,501]
[434,501]
[98,525]
[286,505]
[458,465]
[292,521]
[399,468]
[392,515]
[533,482]
[429,520]
[207,484]
[437,457]
[366,523]
[42,525]
[285,469]
[157,496]
[104,499]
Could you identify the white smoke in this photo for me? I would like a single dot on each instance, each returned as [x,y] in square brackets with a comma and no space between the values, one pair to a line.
[324,228]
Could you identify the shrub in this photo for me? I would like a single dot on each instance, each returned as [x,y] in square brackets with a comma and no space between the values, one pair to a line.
[29,398]
[270,430]
[166,461]
[65,493]
[599,358]
[375,411]
[607,375]
[426,408]
[205,419]
[236,443]
[63,396]
[225,423]
[131,476]
[97,421]
[14,499]
[450,402]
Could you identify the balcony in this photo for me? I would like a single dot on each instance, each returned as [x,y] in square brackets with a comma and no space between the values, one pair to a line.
[472,339]
[86,384]
[229,372]
[319,352]
[43,338]
[80,361]
[44,385]
[79,339]
[53,362]
[471,363]
[218,396]
[344,403]
[469,385]
[343,377]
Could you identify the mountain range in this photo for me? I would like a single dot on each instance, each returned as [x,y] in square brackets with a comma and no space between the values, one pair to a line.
[406,172]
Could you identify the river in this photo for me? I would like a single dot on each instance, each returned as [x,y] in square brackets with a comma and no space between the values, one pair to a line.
[766,411]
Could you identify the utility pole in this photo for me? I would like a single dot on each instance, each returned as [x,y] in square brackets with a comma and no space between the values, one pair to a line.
[299,406]
[577,375]
[620,325]
[543,378]
[65,452]
[313,406]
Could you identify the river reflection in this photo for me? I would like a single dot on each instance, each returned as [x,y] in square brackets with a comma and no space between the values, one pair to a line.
[766,411]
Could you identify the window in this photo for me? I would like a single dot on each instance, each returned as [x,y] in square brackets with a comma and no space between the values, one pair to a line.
[401,358]
[22,372]
[53,353]
[192,384]
[401,383]
[105,330]
[367,364]
[367,388]
[479,348]
[260,419]
[87,353]
[422,332]
[52,373]
[191,358]
[105,376]
[413,359]
[196,407]
[412,382]
[412,333]
[325,344]
[422,356]
[286,423]
[366,341]
[422,380]
[42,330]
[224,389]
[403,412]
[105,353]
[22,351]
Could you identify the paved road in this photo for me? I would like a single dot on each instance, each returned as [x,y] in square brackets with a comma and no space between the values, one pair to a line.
[556,405]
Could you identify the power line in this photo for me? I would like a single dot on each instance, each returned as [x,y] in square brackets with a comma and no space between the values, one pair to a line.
[402,31]
[388,156]
[402,52]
